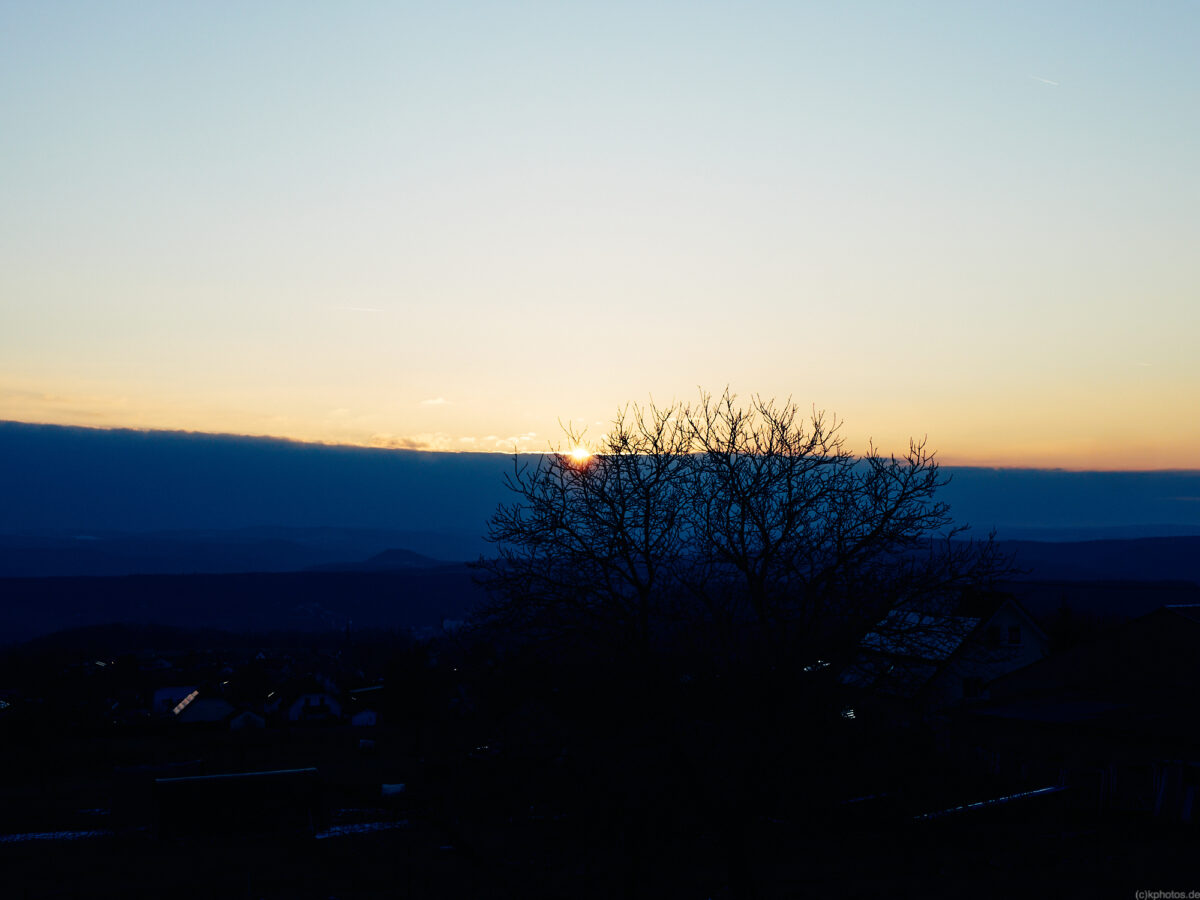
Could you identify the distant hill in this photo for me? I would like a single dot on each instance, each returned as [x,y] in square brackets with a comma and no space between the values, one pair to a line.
[226,552]
[396,559]
[1106,602]
[400,588]
[1143,559]
[415,598]
[382,550]
[115,639]
[261,602]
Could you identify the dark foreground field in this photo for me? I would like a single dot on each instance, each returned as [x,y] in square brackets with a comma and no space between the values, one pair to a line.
[542,857]
[526,778]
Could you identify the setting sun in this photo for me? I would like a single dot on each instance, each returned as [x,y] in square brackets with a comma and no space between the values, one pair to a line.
[581,454]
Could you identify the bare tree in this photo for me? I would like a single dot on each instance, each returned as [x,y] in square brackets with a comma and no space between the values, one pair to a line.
[823,544]
[595,542]
[754,522]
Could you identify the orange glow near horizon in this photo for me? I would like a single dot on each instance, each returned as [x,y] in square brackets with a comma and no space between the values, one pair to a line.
[1080,455]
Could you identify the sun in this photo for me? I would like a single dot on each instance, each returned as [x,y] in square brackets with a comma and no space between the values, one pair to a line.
[580,453]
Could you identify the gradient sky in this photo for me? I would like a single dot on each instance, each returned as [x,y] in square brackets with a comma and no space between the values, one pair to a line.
[450,225]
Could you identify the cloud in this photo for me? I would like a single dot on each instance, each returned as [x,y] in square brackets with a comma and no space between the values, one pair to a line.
[424,441]
[35,405]
[525,442]
[520,441]
[435,401]
[1044,80]
[439,440]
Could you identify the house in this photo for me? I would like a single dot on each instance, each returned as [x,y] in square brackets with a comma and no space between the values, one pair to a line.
[363,705]
[205,711]
[934,661]
[154,663]
[305,699]
[1152,654]
[315,706]
[247,721]
[167,699]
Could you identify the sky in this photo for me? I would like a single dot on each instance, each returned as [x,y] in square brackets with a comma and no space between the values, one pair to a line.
[454,225]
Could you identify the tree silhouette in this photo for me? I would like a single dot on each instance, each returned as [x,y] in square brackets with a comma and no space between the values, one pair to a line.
[596,544]
[752,525]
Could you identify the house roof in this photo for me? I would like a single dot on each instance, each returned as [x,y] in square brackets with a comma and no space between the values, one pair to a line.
[906,649]
[986,606]
[1189,611]
[919,636]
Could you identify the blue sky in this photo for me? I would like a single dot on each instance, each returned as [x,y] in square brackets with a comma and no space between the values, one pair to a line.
[451,225]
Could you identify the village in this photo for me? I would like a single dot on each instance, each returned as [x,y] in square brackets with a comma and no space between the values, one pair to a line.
[455,767]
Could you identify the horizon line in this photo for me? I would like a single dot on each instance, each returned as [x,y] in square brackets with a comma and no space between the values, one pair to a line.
[283,439]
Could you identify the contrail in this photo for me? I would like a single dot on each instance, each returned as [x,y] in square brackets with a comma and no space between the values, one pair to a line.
[1044,80]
